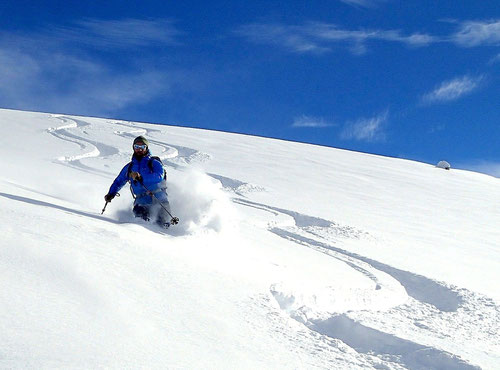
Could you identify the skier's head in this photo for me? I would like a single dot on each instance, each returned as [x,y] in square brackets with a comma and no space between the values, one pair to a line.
[140,146]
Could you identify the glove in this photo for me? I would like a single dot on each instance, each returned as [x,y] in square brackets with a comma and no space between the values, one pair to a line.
[174,220]
[109,197]
[136,176]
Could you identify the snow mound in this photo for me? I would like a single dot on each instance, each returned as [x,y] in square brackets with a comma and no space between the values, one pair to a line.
[306,302]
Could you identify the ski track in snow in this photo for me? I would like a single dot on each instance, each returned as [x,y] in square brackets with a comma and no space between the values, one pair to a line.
[174,156]
[370,341]
[431,311]
[238,187]
[73,130]
[89,147]
[99,149]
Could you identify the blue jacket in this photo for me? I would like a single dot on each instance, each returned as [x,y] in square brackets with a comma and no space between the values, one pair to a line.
[152,180]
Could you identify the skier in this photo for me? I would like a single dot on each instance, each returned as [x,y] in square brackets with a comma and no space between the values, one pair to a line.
[148,182]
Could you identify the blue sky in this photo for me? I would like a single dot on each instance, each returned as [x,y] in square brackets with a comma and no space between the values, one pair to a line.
[410,79]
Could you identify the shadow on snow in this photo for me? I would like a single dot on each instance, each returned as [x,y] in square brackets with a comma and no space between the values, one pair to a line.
[370,341]
[61,208]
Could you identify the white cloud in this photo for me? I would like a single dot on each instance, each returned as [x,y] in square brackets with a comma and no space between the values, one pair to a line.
[331,32]
[319,37]
[121,33]
[452,89]
[362,3]
[366,129]
[420,39]
[316,37]
[495,59]
[312,122]
[81,87]
[290,37]
[476,33]
[57,69]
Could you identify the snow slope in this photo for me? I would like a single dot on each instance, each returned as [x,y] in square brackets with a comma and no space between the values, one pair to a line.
[287,255]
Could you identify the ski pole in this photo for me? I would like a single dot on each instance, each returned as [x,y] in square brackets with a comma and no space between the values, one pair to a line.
[174,220]
[105,205]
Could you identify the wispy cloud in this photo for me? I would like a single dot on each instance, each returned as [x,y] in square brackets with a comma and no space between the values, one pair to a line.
[366,129]
[82,86]
[290,37]
[317,37]
[495,59]
[363,3]
[58,71]
[321,37]
[330,32]
[476,33]
[311,122]
[452,89]
[122,33]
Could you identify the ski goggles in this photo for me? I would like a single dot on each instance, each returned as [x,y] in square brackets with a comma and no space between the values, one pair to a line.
[140,146]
